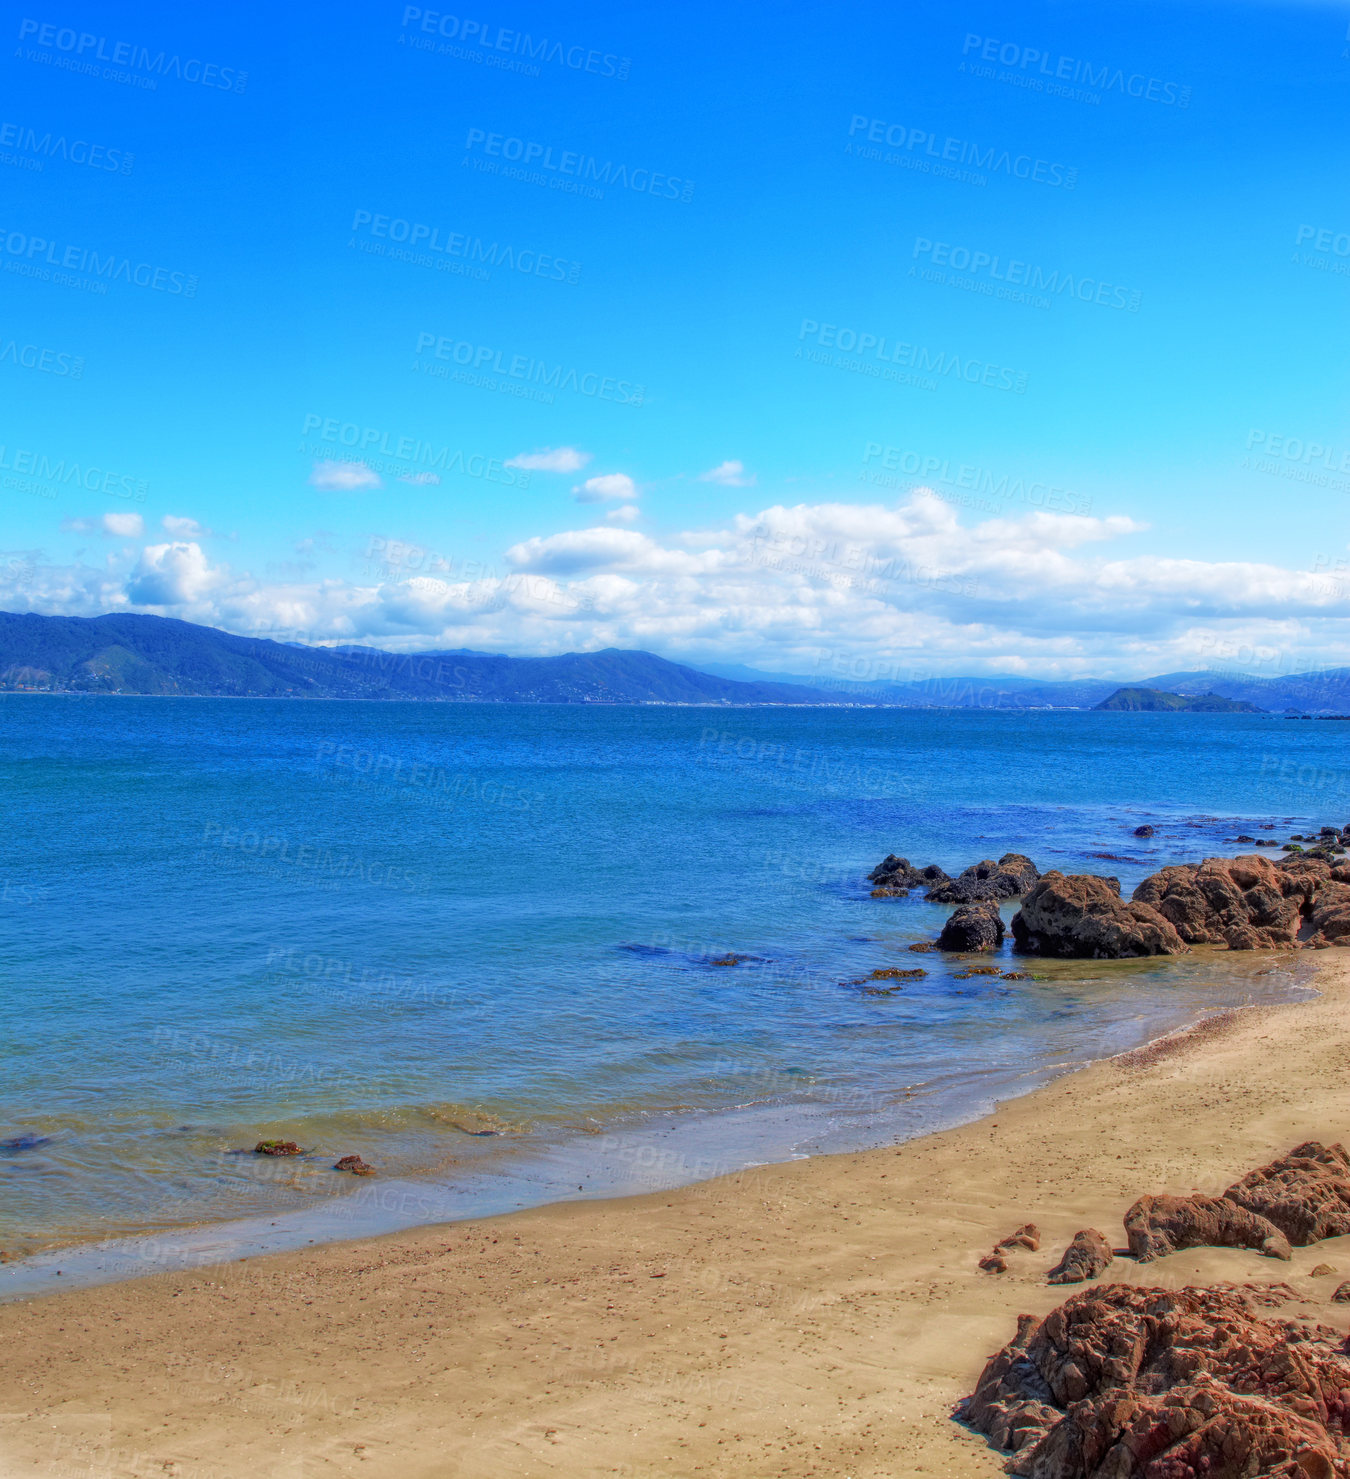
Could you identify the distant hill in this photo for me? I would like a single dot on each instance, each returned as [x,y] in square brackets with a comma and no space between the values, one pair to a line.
[1156,700]
[157,655]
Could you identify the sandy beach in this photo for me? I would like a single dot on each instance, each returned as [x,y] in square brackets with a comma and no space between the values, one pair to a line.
[819,1317]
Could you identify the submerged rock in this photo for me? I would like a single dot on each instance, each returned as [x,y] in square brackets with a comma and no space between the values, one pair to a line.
[1081,916]
[1085,1257]
[1136,1383]
[355,1165]
[972,927]
[1144,831]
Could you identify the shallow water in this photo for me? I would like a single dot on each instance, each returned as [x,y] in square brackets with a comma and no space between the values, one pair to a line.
[479,944]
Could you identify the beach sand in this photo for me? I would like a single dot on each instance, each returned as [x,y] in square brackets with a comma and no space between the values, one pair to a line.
[819,1317]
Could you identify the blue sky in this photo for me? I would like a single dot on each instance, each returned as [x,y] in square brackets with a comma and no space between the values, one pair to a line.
[298,289]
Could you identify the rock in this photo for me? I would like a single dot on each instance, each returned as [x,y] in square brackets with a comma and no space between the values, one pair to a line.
[1018,976]
[1342,1294]
[894,876]
[1306,1194]
[1248,840]
[972,927]
[994,1263]
[921,947]
[1331,912]
[1246,902]
[1027,1236]
[355,1165]
[1322,1271]
[894,973]
[277,1147]
[1143,831]
[1157,1226]
[1136,1383]
[1085,1257]
[1009,878]
[1080,916]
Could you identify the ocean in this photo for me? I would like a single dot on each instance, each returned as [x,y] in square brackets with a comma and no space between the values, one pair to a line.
[512,954]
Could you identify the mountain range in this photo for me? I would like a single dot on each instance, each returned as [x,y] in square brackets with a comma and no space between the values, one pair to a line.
[129,654]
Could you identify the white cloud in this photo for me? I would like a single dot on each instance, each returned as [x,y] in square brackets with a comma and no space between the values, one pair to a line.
[116,526]
[420,479]
[343,477]
[181,528]
[902,588]
[551,459]
[624,515]
[171,575]
[729,474]
[607,485]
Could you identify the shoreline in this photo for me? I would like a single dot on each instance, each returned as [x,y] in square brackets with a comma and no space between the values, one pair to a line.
[811,1317]
[657,1150]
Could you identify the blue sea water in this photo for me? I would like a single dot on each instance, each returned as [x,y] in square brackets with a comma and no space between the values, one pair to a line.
[527,942]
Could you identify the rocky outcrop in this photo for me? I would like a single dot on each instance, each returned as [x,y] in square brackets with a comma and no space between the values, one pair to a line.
[972,927]
[1012,876]
[1124,1382]
[895,876]
[1081,916]
[1246,903]
[1083,1259]
[1305,1194]
[1157,1226]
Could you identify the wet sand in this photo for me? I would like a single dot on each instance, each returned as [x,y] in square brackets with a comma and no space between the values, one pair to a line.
[819,1317]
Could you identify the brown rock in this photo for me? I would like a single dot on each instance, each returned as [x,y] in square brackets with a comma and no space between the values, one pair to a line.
[1306,1194]
[1082,916]
[1136,1383]
[1246,902]
[1342,1294]
[1083,1259]
[1027,1236]
[355,1165]
[1157,1226]
[988,881]
[994,1263]
[1322,1271]
[277,1147]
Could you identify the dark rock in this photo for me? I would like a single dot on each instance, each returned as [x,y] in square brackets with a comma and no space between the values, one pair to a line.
[1079,916]
[1306,1194]
[1083,1259]
[1248,840]
[1143,831]
[277,1147]
[17,1144]
[895,876]
[988,881]
[1157,1226]
[355,1165]
[1136,1383]
[972,927]
[921,947]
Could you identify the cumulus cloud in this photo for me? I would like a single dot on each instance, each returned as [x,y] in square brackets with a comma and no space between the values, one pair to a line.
[893,590]
[608,485]
[729,474]
[343,477]
[181,528]
[171,575]
[624,515]
[115,526]
[551,459]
